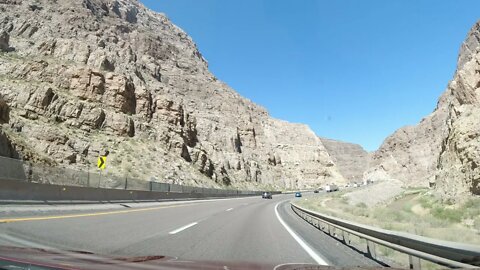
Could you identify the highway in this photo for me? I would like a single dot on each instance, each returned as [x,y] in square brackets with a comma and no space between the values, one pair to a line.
[233,230]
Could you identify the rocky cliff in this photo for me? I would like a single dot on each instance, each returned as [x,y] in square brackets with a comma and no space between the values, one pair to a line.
[458,164]
[6,147]
[85,77]
[444,148]
[411,153]
[351,159]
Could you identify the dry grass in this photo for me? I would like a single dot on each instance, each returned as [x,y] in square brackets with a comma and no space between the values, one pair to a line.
[416,211]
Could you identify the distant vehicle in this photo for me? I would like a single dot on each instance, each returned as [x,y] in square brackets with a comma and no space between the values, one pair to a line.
[316,191]
[356,185]
[266,195]
[367,182]
[331,188]
[298,194]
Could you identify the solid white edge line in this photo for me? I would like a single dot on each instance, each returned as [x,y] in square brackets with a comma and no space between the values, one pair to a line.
[299,240]
[183,228]
[229,209]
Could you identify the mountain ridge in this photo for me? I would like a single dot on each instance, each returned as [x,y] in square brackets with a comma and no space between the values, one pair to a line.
[80,78]
[84,77]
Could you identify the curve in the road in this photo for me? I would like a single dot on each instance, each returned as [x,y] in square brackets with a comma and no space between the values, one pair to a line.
[246,230]
[318,259]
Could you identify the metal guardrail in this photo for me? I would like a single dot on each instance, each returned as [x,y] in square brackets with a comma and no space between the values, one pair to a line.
[445,253]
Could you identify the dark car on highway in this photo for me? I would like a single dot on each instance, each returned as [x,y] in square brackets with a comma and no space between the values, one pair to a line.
[316,191]
[298,194]
[267,195]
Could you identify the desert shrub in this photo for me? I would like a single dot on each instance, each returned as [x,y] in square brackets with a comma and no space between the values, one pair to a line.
[389,215]
[407,207]
[426,202]
[451,215]
[471,208]
[128,167]
[476,224]
[361,205]
[362,212]
[116,161]
[449,201]
[399,216]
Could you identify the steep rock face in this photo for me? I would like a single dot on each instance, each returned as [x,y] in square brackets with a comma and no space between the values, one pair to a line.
[458,166]
[6,147]
[351,159]
[444,148]
[411,153]
[4,112]
[83,77]
[4,41]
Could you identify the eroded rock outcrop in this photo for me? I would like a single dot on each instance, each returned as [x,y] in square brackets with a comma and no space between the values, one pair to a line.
[458,164]
[4,112]
[411,153]
[4,41]
[6,147]
[443,150]
[351,159]
[95,75]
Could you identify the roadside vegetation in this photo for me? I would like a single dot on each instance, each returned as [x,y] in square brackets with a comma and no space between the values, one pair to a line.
[415,210]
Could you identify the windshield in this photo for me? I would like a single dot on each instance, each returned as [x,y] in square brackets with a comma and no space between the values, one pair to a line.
[239,134]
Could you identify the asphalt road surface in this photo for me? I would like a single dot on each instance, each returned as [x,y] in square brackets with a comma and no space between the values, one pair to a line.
[233,230]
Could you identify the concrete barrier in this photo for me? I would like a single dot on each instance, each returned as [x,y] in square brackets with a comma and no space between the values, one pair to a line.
[12,169]
[14,190]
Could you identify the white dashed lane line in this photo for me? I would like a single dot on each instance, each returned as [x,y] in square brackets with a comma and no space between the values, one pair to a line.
[183,228]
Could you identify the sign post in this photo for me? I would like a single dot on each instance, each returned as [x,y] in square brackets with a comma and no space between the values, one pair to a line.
[101,164]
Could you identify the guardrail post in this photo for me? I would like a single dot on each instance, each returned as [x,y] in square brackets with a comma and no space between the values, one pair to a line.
[371,249]
[88,176]
[346,238]
[414,262]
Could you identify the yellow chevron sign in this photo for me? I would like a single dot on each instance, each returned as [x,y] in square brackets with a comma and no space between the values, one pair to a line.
[102,162]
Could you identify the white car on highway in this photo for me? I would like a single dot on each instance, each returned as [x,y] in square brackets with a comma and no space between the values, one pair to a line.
[331,188]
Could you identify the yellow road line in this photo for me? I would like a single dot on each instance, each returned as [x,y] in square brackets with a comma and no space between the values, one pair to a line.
[10,220]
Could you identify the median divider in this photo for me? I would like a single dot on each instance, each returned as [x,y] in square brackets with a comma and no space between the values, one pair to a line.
[445,253]
[18,191]
[22,181]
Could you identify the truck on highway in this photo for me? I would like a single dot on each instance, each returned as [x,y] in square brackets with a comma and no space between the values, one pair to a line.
[331,188]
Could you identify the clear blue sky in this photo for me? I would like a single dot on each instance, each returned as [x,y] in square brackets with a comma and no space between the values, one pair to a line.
[353,70]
